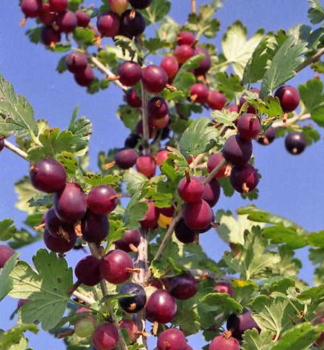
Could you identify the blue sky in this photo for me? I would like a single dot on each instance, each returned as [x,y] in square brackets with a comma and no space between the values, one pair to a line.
[290,186]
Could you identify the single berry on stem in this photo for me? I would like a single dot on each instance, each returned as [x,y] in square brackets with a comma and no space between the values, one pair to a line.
[157,107]
[161,307]
[94,227]
[83,19]
[171,339]
[224,287]
[248,126]
[76,62]
[289,98]
[58,5]
[198,215]
[131,25]
[190,189]
[70,203]
[118,6]
[126,158]
[59,245]
[50,36]
[211,192]
[268,137]
[151,217]
[183,233]
[183,287]
[171,66]
[131,328]
[146,165]
[5,254]
[129,73]
[154,79]
[130,241]
[105,337]
[31,8]
[199,93]
[213,161]
[244,178]
[87,271]
[203,65]
[47,175]
[102,200]
[85,78]
[116,267]
[186,38]
[108,24]
[135,303]
[295,143]
[66,22]
[183,52]
[237,150]
[216,100]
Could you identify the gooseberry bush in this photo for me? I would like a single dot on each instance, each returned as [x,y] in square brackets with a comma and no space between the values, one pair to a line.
[139,219]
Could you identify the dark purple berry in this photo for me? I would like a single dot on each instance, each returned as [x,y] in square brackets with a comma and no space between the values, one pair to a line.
[87,271]
[295,143]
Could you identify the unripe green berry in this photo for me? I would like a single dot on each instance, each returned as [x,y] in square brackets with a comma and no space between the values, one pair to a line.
[84,328]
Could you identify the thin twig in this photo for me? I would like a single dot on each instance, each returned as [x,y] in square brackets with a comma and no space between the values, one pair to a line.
[141,278]
[146,132]
[214,172]
[290,121]
[83,297]
[168,234]
[15,149]
[104,289]
[311,60]
[193,6]
[107,71]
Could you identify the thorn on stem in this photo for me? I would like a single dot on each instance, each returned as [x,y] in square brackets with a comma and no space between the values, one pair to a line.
[155,328]
[107,166]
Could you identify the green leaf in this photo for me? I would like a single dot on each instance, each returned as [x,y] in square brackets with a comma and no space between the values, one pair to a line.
[16,114]
[313,293]
[6,283]
[184,79]
[230,229]
[300,337]
[34,35]
[168,29]
[156,11]
[311,134]
[69,161]
[155,44]
[271,107]
[204,23]
[25,192]
[198,138]
[48,288]
[224,301]
[81,128]
[187,318]
[229,85]
[135,212]
[84,35]
[224,117]
[116,231]
[75,4]
[134,180]
[254,261]
[97,180]
[253,340]
[316,11]
[258,63]
[14,335]
[273,314]
[7,229]
[283,65]
[52,143]
[312,96]
[129,116]
[259,215]
[315,239]
[279,234]
[237,49]
[61,66]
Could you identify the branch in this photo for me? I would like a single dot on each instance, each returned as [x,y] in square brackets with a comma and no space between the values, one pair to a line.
[146,130]
[290,121]
[141,278]
[15,149]
[107,71]
[168,234]
[83,297]
[311,60]
[193,6]
[103,285]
